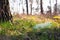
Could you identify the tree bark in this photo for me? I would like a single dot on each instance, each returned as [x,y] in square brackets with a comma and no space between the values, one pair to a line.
[27,6]
[5,14]
[41,5]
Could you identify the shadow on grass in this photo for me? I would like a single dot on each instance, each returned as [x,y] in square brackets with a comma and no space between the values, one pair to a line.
[47,35]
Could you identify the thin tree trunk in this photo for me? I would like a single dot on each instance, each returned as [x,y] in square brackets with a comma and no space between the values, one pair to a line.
[27,6]
[31,6]
[22,7]
[31,9]
[41,5]
[50,6]
[56,7]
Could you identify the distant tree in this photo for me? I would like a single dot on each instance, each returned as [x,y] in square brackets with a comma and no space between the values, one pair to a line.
[49,14]
[5,14]
[55,7]
[37,9]
[50,6]
[22,7]
[58,8]
[41,6]
[31,5]
[27,6]
[49,9]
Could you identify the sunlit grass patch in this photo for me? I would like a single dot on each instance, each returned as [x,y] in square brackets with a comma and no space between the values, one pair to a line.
[57,17]
[17,27]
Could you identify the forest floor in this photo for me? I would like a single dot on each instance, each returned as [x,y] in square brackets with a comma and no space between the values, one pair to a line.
[23,28]
[38,18]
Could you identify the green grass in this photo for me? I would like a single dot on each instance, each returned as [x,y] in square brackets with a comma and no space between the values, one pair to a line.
[20,28]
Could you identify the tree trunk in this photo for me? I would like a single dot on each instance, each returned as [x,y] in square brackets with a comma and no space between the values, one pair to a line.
[41,5]
[50,6]
[55,8]
[30,6]
[22,7]
[31,9]
[5,14]
[27,6]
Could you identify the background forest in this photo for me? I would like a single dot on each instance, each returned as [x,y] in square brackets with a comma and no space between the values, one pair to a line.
[34,6]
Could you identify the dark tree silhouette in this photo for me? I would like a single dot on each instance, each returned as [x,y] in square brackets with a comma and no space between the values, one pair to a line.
[41,5]
[27,6]
[5,14]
